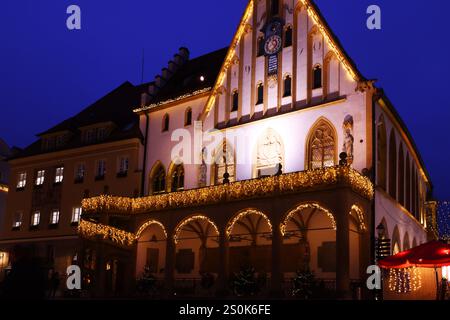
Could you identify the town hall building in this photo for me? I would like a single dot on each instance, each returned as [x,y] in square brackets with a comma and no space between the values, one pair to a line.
[292,162]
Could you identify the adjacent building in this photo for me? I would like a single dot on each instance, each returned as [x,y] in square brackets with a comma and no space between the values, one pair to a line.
[274,153]
[5,153]
[98,151]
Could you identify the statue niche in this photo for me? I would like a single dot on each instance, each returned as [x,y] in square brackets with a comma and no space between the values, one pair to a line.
[270,153]
[348,138]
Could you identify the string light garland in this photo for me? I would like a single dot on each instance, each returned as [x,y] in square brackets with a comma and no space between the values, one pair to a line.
[185,222]
[333,46]
[92,230]
[302,207]
[248,189]
[360,215]
[148,224]
[443,219]
[244,213]
[181,97]
[405,280]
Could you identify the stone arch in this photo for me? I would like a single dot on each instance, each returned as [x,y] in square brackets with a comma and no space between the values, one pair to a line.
[269,153]
[156,170]
[322,145]
[396,241]
[406,243]
[309,230]
[249,234]
[359,218]
[243,213]
[381,153]
[196,247]
[151,240]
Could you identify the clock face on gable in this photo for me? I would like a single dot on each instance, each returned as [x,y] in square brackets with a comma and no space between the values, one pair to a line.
[273,45]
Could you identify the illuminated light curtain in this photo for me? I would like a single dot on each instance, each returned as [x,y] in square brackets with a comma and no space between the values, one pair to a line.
[178,178]
[322,147]
[159,181]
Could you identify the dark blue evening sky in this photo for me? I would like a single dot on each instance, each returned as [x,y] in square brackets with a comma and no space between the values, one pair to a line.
[48,73]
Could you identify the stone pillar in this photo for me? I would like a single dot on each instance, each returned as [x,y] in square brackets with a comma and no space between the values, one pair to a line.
[342,251]
[100,269]
[169,280]
[276,281]
[224,264]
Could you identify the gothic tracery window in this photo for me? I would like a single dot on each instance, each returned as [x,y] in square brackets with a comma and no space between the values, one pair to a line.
[322,146]
[177,178]
[224,162]
[159,181]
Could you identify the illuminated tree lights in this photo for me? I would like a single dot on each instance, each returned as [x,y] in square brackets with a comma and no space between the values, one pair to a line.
[404,280]
[443,220]
[256,188]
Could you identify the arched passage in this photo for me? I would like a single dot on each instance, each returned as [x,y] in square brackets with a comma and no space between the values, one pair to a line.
[196,240]
[151,249]
[249,234]
[309,242]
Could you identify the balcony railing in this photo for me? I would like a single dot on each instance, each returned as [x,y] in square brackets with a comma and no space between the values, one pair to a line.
[247,189]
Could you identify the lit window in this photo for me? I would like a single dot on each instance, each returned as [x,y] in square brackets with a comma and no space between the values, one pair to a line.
[123,165]
[322,146]
[101,169]
[235,101]
[40,177]
[54,218]
[80,172]
[260,94]
[159,181]
[59,175]
[22,180]
[35,219]
[17,222]
[76,215]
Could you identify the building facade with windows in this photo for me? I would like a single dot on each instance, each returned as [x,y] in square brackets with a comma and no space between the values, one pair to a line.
[274,153]
[98,151]
[5,153]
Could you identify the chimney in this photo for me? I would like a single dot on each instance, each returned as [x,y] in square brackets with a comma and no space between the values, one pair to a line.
[145,99]
[172,66]
[166,74]
[184,53]
[159,81]
[152,89]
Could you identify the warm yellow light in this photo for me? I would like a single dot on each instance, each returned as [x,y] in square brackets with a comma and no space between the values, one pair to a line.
[4,188]
[180,227]
[244,213]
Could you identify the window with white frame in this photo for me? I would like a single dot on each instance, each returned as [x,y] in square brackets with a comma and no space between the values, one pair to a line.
[101,168]
[54,217]
[22,180]
[40,176]
[59,174]
[17,222]
[123,165]
[35,218]
[76,214]
[80,171]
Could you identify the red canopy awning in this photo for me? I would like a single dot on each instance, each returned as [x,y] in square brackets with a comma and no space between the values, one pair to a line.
[433,254]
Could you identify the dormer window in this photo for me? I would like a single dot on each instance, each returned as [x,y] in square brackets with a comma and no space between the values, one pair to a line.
[235,101]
